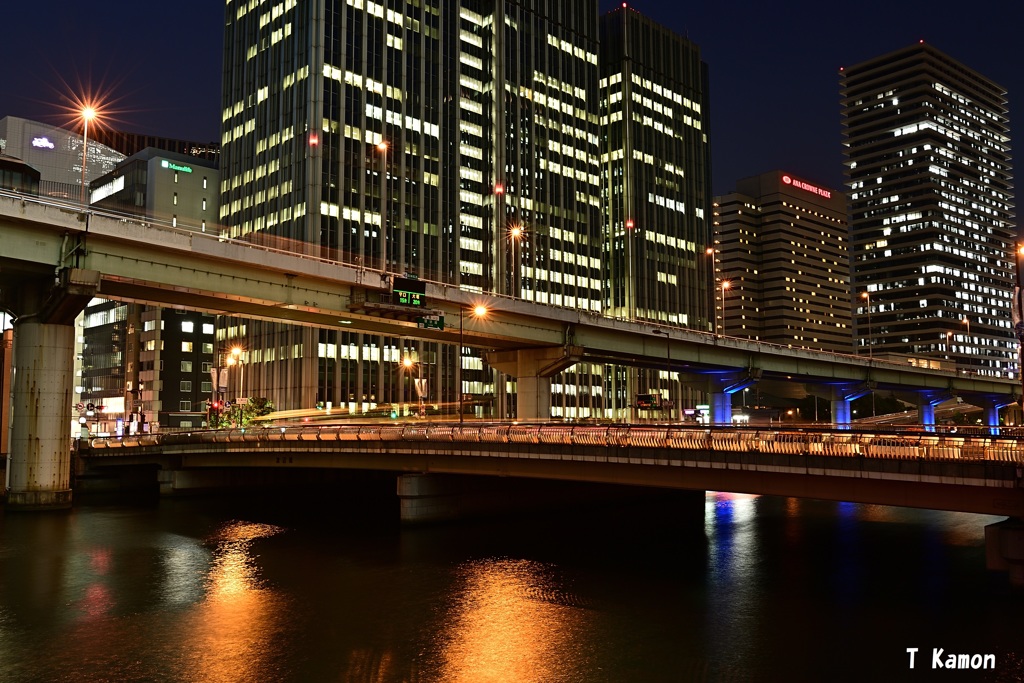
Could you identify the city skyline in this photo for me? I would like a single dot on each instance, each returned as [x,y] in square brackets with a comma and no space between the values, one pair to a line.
[774,69]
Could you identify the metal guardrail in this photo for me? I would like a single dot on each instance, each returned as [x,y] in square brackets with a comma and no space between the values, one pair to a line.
[1007,446]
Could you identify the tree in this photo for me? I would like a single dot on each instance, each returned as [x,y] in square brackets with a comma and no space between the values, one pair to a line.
[253,409]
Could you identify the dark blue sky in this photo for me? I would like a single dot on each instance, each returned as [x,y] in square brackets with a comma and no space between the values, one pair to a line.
[774,65]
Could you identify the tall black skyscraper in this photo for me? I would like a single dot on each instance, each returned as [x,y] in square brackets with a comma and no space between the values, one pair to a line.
[928,170]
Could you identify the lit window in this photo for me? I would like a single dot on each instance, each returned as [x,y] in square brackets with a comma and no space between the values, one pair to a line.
[186,366]
[187,326]
[186,346]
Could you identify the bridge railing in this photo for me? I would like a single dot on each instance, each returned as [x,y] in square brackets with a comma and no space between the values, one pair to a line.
[1007,447]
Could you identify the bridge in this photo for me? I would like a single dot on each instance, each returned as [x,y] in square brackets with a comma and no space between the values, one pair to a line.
[56,257]
[977,472]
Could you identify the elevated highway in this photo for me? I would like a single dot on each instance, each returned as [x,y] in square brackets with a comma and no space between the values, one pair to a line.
[52,244]
[55,257]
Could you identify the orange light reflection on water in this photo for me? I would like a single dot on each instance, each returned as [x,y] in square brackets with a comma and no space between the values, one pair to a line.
[511,623]
[233,630]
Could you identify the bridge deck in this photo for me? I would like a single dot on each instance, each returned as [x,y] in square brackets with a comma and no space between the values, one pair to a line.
[950,471]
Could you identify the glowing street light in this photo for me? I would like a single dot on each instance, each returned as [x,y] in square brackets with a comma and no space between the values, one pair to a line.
[516,234]
[726,284]
[236,359]
[867,297]
[478,311]
[88,113]
[382,147]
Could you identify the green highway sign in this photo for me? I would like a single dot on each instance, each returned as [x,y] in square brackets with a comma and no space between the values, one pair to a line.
[434,322]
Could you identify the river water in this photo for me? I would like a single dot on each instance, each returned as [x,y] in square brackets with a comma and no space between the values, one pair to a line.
[242,589]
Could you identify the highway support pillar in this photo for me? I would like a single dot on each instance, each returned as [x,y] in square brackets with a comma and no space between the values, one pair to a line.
[926,402]
[992,406]
[533,370]
[722,387]
[39,465]
[1004,549]
[842,396]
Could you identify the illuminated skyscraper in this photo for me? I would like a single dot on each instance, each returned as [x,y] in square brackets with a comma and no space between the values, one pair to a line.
[456,140]
[783,266]
[656,184]
[927,150]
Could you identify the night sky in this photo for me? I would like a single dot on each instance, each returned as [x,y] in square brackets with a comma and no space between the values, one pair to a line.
[774,66]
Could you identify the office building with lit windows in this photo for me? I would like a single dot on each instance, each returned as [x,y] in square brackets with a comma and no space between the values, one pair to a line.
[656,185]
[57,155]
[454,140]
[149,366]
[927,155]
[782,263]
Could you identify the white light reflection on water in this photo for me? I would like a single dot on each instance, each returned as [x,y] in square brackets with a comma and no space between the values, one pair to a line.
[511,623]
[733,586]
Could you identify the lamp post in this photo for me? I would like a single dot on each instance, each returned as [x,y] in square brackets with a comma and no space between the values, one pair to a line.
[88,114]
[726,284]
[711,251]
[949,335]
[867,297]
[236,359]
[407,364]
[382,147]
[668,366]
[630,282]
[515,235]
[478,311]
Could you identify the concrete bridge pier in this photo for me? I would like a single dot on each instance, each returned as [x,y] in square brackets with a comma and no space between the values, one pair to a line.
[39,465]
[842,396]
[533,370]
[720,389]
[39,470]
[992,407]
[1004,549]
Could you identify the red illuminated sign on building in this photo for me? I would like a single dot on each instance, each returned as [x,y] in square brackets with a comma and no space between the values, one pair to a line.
[790,180]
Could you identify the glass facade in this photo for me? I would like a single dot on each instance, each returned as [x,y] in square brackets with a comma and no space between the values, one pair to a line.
[928,170]
[655,186]
[453,140]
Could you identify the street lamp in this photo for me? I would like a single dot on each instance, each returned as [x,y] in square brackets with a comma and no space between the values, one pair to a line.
[712,252]
[478,311]
[867,296]
[516,233]
[949,336]
[382,147]
[87,113]
[668,366]
[407,364]
[235,358]
[726,284]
